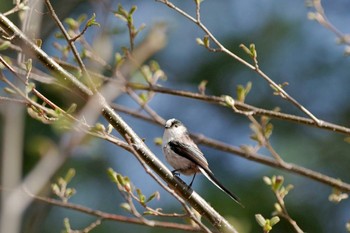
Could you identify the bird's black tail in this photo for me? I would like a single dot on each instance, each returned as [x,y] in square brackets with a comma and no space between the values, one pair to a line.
[207,173]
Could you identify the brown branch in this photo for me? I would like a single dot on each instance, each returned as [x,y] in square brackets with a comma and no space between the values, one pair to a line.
[71,44]
[113,217]
[290,167]
[322,19]
[18,38]
[223,49]
[244,107]
[183,203]
[284,214]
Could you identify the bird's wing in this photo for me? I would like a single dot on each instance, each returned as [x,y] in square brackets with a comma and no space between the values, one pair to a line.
[191,153]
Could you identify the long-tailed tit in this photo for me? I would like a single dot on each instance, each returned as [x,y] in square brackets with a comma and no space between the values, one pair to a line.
[185,157]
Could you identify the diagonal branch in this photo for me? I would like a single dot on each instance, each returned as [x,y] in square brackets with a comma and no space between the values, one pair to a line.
[253,156]
[19,39]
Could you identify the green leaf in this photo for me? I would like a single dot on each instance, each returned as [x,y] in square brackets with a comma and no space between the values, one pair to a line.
[132,10]
[81,18]
[228,101]
[278,182]
[121,179]
[72,108]
[154,195]
[274,220]
[4,45]
[260,220]
[206,41]
[278,208]
[9,91]
[70,174]
[112,175]
[267,180]
[72,23]
[92,21]
[121,13]
[253,51]
[267,227]
[69,192]
[245,49]
[199,41]
[240,93]
[29,65]
[99,128]
[109,128]
[202,86]
[158,141]
[61,181]
[268,130]
[55,189]
[66,224]
[126,207]
[144,97]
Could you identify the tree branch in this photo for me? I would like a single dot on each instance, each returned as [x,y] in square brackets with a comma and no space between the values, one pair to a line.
[243,107]
[290,167]
[113,217]
[18,38]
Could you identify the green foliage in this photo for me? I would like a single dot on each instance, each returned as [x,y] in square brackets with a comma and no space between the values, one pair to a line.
[202,86]
[127,189]
[251,51]
[276,184]
[60,188]
[277,91]
[158,141]
[205,42]
[265,223]
[127,16]
[67,227]
[92,21]
[4,45]
[242,91]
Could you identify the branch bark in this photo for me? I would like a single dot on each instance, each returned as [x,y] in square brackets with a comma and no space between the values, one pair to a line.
[30,49]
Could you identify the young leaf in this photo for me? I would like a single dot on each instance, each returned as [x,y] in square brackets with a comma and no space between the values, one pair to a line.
[260,220]
[126,207]
[154,195]
[202,86]
[92,21]
[70,174]
[158,141]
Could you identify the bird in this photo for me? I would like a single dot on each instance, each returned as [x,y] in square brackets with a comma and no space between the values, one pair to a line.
[183,154]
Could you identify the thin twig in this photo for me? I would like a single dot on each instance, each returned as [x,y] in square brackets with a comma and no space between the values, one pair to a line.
[183,203]
[71,44]
[259,158]
[243,106]
[108,216]
[239,59]
[284,214]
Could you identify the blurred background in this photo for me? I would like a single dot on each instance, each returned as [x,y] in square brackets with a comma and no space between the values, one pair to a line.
[290,47]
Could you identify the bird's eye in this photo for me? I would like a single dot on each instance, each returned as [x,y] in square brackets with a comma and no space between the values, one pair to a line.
[175,125]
